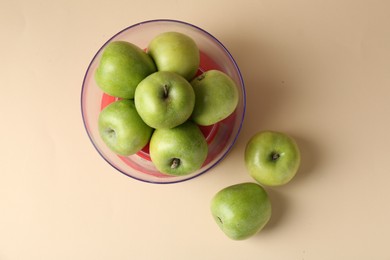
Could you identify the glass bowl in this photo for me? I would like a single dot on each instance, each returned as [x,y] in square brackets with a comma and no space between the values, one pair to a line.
[220,137]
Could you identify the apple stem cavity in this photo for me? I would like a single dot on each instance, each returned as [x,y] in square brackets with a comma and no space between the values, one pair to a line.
[175,163]
[275,156]
[111,132]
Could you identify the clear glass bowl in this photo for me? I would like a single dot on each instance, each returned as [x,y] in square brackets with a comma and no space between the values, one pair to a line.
[220,137]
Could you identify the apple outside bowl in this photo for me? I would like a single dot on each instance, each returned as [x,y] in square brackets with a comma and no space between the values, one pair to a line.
[220,136]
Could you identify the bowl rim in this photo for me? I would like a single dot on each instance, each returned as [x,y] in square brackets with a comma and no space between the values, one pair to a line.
[242,86]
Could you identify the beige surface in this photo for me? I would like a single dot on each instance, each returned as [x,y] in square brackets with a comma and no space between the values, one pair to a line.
[318,70]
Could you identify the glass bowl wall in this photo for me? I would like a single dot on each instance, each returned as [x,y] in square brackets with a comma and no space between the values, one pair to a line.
[220,137]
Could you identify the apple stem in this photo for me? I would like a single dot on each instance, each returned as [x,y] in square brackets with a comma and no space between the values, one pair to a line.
[175,163]
[165,90]
[200,77]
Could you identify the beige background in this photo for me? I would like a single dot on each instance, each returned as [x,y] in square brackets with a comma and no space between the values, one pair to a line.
[318,70]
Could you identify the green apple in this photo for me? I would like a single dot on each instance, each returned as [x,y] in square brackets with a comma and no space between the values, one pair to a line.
[216,96]
[178,151]
[122,129]
[164,99]
[121,67]
[241,210]
[272,158]
[176,52]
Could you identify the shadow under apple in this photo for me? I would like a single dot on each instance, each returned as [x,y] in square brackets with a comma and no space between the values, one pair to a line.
[280,205]
[310,159]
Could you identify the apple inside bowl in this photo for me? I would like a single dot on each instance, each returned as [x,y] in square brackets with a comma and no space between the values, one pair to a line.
[220,137]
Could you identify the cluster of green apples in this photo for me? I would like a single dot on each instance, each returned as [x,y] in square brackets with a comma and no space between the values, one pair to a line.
[162,101]
[241,210]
